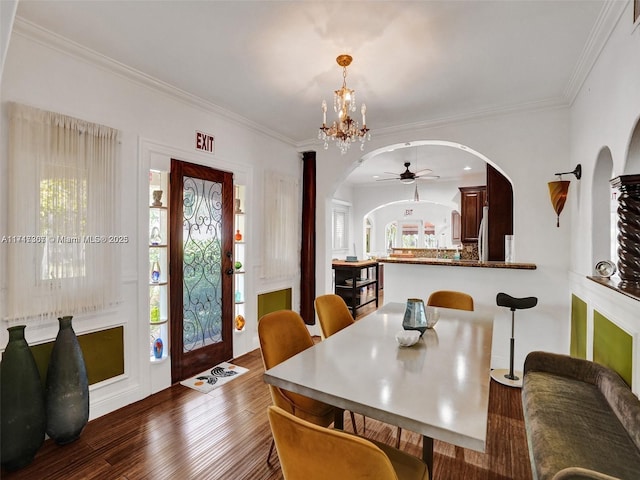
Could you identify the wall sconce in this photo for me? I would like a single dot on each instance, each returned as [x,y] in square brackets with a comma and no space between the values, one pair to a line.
[558,190]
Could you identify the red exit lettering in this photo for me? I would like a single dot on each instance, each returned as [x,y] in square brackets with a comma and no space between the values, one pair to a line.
[204,142]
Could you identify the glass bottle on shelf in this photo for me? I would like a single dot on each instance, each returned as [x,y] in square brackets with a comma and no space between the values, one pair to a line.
[155,238]
[238,236]
[155,272]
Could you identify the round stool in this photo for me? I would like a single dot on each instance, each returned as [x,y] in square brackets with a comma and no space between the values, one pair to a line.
[504,376]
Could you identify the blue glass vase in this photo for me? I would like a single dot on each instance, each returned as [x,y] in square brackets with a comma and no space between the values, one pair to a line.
[158,348]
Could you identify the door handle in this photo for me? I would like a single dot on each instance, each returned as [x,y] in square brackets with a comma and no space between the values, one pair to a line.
[229,271]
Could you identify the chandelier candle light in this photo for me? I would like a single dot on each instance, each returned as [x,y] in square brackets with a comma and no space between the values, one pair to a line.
[345,130]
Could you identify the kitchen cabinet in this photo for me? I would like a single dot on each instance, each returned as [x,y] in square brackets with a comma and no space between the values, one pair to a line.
[472,200]
[356,283]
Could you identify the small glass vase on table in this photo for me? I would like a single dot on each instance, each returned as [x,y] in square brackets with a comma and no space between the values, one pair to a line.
[417,317]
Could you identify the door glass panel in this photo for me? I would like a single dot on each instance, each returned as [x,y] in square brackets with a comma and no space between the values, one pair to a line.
[202,263]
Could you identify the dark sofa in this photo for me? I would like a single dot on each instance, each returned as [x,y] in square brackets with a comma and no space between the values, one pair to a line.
[581,418]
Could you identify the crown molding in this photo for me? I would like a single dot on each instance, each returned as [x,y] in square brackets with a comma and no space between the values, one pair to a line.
[48,39]
[602,29]
[548,104]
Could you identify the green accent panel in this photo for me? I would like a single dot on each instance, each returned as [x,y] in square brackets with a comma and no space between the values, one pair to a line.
[103,353]
[578,328]
[273,301]
[612,346]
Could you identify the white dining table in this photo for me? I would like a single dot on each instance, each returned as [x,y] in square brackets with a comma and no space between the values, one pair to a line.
[438,387]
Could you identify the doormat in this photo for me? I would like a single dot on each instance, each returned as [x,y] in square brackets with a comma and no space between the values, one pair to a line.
[208,380]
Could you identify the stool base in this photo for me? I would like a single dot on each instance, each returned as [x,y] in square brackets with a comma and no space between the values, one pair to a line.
[499,376]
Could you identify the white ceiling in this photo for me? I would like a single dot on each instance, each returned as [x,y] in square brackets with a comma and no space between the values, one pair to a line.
[419,62]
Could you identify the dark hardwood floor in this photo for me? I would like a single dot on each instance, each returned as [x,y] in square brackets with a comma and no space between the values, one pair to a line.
[180,433]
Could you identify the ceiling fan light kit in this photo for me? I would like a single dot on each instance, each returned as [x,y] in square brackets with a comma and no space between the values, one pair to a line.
[408,177]
[345,130]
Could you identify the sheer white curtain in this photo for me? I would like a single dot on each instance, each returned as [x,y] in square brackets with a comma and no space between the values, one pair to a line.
[281,226]
[63,247]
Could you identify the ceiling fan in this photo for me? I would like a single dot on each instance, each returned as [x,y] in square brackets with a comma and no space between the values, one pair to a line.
[408,176]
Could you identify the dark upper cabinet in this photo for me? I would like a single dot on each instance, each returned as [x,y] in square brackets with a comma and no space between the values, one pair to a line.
[472,200]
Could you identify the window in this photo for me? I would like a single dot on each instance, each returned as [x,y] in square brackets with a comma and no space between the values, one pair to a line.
[63,242]
[390,232]
[340,225]
[430,240]
[409,235]
[63,217]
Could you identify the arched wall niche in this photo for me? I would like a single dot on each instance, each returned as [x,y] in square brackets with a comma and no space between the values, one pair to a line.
[632,163]
[603,209]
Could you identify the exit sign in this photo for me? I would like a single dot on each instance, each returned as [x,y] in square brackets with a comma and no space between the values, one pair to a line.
[204,142]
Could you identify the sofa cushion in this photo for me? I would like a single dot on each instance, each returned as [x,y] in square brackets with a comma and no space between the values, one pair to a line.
[570,424]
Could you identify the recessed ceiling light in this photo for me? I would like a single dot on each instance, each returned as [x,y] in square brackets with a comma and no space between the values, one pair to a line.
[467,168]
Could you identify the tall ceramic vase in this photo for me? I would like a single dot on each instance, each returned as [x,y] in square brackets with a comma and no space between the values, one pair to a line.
[21,403]
[67,390]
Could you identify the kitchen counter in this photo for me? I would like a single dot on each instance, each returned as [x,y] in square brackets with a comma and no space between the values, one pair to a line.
[456,263]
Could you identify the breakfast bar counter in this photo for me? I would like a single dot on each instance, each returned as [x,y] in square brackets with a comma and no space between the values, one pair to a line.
[448,262]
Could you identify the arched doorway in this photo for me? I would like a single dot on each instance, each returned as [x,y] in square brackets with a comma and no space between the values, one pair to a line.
[381,179]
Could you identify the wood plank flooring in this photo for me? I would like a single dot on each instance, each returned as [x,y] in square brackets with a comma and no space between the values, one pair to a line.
[180,433]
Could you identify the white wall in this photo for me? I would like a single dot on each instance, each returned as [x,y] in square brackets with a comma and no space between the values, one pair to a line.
[45,73]
[604,115]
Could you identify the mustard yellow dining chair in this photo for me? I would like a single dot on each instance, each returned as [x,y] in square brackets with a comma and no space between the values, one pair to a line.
[451,299]
[311,452]
[283,334]
[334,315]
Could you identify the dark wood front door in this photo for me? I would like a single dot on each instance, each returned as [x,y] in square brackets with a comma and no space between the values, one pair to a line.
[201,268]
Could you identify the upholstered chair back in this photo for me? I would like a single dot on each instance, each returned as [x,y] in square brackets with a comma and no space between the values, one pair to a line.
[333,314]
[451,299]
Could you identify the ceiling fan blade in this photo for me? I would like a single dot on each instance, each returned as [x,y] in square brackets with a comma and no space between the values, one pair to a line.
[386,179]
[428,177]
[425,170]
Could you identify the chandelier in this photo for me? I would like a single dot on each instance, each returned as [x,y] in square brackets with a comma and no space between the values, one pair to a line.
[345,130]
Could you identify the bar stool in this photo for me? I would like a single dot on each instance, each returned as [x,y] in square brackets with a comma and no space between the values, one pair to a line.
[504,376]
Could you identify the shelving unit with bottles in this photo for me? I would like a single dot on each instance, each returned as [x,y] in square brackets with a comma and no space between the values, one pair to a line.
[158,265]
[239,258]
